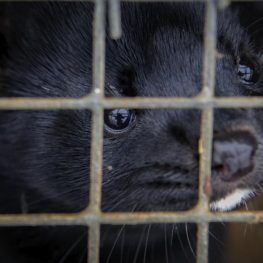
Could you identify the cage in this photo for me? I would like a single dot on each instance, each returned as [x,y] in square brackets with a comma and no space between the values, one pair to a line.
[96,102]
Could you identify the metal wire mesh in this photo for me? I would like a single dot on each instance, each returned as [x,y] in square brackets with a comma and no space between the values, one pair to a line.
[93,217]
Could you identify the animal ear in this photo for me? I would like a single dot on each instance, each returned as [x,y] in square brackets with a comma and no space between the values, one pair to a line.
[251,18]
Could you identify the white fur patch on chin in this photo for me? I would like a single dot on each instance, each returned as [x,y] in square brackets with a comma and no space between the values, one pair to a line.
[232,200]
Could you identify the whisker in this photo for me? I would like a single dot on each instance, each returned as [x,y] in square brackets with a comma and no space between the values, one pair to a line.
[215,238]
[245,204]
[253,23]
[245,230]
[146,243]
[165,245]
[120,200]
[139,246]
[83,258]
[260,187]
[182,245]
[188,240]
[256,31]
[71,249]
[105,233]
[50,197]
[172,234]
[114,244]
[122,245]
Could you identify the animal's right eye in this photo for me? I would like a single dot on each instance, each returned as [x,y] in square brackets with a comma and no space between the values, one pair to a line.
[119,120]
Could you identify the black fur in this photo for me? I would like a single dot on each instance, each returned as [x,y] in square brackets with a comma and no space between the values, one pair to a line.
[44,158]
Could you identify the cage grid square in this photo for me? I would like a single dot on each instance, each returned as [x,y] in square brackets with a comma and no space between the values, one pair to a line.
[93,217]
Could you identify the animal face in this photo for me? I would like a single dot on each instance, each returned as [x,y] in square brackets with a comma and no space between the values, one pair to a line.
[156,167]
[150,156]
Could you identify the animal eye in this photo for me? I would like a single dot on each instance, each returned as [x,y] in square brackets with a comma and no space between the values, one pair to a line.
[247,71]
[119,120]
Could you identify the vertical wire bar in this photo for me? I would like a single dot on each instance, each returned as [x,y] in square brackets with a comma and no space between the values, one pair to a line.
[96,161]
[97,114]
[202,245]
[209,58]
[205,149]
[97,128]
[94,243]
[115,18]
[98,59]
[205,146]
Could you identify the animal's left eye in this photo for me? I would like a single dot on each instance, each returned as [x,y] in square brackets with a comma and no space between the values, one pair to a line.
[118,120]
[247,71]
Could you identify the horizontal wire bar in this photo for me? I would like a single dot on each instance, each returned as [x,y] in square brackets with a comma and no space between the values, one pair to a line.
[130,218]
[176,102]
[91,102]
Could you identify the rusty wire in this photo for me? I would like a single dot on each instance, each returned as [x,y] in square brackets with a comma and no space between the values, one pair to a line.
[93,217]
